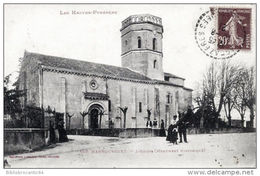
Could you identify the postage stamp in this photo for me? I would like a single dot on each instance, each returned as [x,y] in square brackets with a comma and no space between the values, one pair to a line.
[206,36]
[234,28]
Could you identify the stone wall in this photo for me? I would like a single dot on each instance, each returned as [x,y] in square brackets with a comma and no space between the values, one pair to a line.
[64,92]
[146,32]
[144,59]
[17,140]
[177,81]
[131,95]
[72,100]
[220,131]
[123,133]
[29,80]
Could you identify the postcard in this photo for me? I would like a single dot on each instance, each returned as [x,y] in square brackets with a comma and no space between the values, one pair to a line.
[129,86]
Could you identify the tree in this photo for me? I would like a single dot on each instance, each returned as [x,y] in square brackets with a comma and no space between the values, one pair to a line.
[149,112]
[69,116]
[218,83]
[228,106]
[124,110]
[250,91]
[240,106]
[83,114]
[231,75]
[33,116]
[245,93]
[12,104]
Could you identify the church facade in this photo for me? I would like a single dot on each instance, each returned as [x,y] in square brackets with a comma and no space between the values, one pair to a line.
[140,86]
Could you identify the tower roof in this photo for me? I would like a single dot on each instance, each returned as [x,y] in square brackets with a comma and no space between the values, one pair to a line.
[141,18]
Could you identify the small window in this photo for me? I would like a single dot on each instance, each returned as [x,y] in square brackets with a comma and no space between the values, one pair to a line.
[168,97]
[109,105]
[177,95]
[155,64]
[154,44]
[140,106]
[139,42]
[126,43]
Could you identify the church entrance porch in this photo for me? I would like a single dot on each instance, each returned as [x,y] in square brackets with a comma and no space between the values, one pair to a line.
[93,119]
[95,116]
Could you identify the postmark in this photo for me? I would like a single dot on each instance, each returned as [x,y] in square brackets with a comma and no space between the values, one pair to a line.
[206,36]
[234,28]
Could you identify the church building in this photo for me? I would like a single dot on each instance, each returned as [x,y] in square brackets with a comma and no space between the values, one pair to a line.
[139,86]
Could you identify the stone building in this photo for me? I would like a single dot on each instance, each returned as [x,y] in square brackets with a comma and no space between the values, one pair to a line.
[74,86]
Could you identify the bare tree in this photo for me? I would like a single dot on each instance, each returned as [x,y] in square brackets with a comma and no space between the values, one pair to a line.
[240,106]
[83,114]
[124,110]
[149,112]
[69,116]
[245,93]
[250,91]
[230,86]
[218,83]
[230,76]
[228,106]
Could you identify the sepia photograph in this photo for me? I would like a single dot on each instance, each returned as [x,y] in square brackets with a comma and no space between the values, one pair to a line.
[129,86]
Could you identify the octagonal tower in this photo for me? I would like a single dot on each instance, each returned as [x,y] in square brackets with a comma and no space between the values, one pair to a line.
[141,44]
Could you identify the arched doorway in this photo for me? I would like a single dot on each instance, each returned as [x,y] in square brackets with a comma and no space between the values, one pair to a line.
[94,116]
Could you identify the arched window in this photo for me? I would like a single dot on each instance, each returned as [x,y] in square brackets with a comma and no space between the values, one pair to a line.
[154,43]
[155,64]
[126,43]
[139,42]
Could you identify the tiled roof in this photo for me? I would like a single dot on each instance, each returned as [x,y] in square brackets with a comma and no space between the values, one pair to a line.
[172,75]
[167,83]
[87,67]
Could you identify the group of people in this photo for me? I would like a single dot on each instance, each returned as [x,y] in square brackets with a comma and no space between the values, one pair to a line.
[151,124]
[175,128]
[57,132]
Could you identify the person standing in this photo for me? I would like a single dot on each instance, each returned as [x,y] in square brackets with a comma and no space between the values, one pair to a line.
[174,130]
[182,131]
[162,129]
[52,133]
[183,124]
[149,124]
[169,133]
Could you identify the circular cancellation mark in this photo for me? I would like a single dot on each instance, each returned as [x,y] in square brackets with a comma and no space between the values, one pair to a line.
[206,37]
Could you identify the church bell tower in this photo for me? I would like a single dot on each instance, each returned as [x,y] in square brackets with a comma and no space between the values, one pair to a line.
[141,44]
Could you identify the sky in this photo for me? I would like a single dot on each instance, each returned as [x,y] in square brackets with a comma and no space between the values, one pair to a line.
[92,37]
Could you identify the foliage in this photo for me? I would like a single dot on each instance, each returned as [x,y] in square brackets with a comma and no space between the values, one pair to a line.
[33,117]
[12,104]
[227,85]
